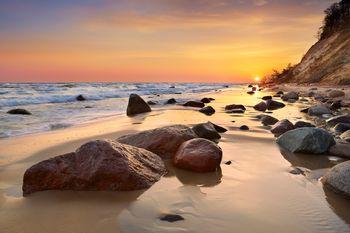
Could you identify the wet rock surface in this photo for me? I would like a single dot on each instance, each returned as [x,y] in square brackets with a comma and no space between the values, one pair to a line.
[100,165]
[198,155]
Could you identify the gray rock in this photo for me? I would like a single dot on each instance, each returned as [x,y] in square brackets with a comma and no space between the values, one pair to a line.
[338,178]
[137,105]
[281,127]
[338,119]
[341,128]
[290,96]
[341,150]
[319,110]
[307,140]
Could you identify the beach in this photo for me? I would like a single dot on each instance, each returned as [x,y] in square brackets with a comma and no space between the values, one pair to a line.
[255,193]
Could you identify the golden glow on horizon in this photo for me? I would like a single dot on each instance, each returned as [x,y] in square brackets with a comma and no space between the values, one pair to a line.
[230,42]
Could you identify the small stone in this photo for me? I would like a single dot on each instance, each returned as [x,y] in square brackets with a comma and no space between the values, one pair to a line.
[194,104]
[171,101]
[205,100]
[228,162]
[268,97]
[244,127]
[209,110]
[150,102]
[234,107]
[261,106]
[80,98]
[19,111]
[171,217]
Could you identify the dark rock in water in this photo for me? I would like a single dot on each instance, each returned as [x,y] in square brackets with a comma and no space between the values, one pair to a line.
[80,98]
[234,107]
[290,96]
[338,119]
[346,136]
[336,94]
[281,127]
[340,150]
[172,87]
[209,110]
[19,111]
[306,140]
[274,105]
[244,128]
[136,105]
[268,97]
[162,141]
[228,162]
[341,127]
[171,101]
[205,100]
[336,105]
[305,110]
[88,107]
[302,124]
[261,106]
[194,104]
[207,131]
[338,179]
[236,111]
[150,102]
[250,92]
[100,165]
[171,217]
[268,120]
[198,155]
[250,85]
[319,110]
[280,93]
[218,128]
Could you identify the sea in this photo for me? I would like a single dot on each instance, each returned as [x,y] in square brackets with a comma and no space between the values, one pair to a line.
[54,105]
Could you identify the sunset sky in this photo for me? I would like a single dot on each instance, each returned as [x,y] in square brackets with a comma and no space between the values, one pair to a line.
[153,40]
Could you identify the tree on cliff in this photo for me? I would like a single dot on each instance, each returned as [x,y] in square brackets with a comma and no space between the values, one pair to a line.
[337,18]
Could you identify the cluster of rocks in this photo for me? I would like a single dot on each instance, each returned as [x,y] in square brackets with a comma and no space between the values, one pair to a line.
[130,162]
[332,136]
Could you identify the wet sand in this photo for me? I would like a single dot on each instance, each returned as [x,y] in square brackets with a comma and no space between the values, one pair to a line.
[256,193]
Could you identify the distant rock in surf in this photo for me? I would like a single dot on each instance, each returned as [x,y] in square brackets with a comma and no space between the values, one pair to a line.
[19,111]
[137,105]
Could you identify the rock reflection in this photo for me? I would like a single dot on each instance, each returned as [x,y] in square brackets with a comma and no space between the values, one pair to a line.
[339,204]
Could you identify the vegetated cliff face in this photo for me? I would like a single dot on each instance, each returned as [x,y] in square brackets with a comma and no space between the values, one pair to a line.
[326,62]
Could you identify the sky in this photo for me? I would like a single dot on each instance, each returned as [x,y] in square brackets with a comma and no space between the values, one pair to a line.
[153,40]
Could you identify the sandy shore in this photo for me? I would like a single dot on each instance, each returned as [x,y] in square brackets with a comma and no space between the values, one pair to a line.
[256,193]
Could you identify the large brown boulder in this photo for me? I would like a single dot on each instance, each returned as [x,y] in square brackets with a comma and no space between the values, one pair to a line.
[162,141]
[100,165]
[137,105]
[198,155]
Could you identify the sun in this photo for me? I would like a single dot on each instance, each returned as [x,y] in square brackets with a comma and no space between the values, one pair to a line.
[257,79]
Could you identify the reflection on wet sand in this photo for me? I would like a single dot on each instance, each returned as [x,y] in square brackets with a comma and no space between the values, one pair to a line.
[309,161]
[338,203]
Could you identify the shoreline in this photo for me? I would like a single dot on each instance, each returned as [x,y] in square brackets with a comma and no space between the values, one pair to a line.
[257,185]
